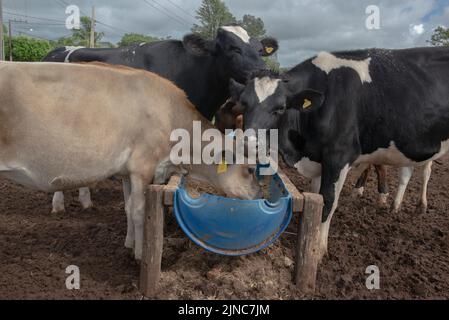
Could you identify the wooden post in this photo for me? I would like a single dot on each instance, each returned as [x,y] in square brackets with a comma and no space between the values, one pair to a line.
[10,39]
[92,29]
[307,247]
[153,241]
[2,40]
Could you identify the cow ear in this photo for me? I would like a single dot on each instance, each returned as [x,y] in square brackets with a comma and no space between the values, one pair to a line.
[235,89]
[196,45]
[306,101]
[270,46]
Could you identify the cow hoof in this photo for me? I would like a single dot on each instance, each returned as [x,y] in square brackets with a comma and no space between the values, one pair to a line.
[58,211]
[138,254]
[383,199]
[421,209]
[129,243]
[395,210]
[87,206]
[358,192]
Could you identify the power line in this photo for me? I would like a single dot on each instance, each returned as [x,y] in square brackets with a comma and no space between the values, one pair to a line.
[32,17]
[171,12]
[181,9]
[164,13]
[59,4]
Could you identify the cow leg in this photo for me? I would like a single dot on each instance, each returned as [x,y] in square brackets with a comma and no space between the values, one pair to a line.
[332,185]
[129,242]
[359,188]
[58,202]
[84,198]
[316,185]
[405,174]
[427,171]
[382,184]
[137,199]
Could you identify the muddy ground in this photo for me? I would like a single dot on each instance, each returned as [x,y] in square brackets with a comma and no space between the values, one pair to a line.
[410,249]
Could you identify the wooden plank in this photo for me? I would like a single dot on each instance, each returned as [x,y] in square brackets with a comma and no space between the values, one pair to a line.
[298,198]
[170,188]
[307,247]
[153,241]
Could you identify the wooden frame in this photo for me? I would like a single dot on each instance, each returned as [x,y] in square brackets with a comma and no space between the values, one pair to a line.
[160,198]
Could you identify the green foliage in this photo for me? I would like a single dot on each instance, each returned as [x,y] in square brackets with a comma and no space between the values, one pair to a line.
[63,42]
[27,49]
[81,37]
[135,38]
[212,15]
[254,26]
[440,37]
[272,64]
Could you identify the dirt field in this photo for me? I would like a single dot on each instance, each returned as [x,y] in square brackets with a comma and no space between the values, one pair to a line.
[411,250]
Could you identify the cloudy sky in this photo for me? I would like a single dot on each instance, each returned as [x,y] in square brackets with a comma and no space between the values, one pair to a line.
[303,27]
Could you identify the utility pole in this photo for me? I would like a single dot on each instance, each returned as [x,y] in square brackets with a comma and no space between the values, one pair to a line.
[2,43]
[92,29]
[10,39]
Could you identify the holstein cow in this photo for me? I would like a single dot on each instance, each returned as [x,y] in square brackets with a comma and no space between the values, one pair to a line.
[230,116]
[202,68]
[339,110]
[63,126]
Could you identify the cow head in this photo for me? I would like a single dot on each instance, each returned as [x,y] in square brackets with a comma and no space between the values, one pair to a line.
[270,101]
[237,54]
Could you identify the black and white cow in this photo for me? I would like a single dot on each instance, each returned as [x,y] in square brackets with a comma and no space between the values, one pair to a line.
[202,68]
[340,110]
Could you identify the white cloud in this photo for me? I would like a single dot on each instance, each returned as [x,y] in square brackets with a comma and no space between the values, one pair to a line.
[417,29]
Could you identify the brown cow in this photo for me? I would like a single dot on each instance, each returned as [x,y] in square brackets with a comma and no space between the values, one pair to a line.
[64,126]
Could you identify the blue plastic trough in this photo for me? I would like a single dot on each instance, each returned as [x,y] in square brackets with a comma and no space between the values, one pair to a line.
[234,227]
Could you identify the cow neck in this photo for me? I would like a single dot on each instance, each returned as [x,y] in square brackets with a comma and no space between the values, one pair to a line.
[218,90]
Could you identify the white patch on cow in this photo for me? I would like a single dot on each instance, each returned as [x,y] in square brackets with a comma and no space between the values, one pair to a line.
[328,62]
[358,192]
[58,202]
[239,32]
[324,230]
[405,174]
[142,44]
[393,157]
[85,199]
[316,185]
[308,168]
[265,87]
[70,50]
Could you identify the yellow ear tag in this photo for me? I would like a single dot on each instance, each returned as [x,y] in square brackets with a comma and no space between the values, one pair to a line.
[269,50]
[222,167]
[307,104]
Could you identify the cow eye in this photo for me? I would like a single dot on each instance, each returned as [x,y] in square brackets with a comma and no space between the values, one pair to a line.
[236,50]
[279,111]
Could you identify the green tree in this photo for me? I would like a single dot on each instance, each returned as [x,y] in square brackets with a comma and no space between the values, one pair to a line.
[28,49]
[440,37]
[272,64]
[212,15]
[136,38]
[254,26]
[63,42]
[81,37]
